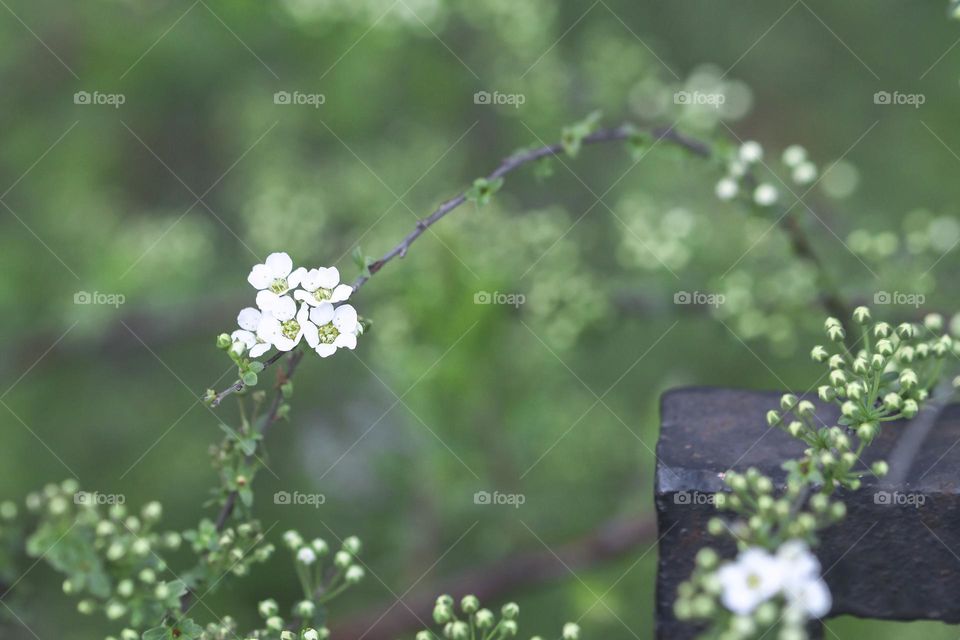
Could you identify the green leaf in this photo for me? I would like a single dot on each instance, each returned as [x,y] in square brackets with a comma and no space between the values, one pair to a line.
[572,136]
[483,189]
[249,378]
[256,366]
[362,261]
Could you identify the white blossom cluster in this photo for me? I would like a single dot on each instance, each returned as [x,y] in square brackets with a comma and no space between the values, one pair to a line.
[757,576]
[802,172]
[294,305]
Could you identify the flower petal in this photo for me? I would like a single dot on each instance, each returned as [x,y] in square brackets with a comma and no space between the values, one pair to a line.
[269,328]
[249,318]
[345,319]
[260,276]
[325,350]
[283,343]
[328,277]
[322,314]
[279,264]
[295,278]
[247,338]
[341,292]
[346,340]
[284,309]
[259,349]
[305,296]
[267,300]
[311,333]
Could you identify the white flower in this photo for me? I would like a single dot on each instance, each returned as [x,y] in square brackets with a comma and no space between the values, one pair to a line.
[811,597]
[284,326]
[275,274]
[322,285]
[798,563]
[751,152]
[753,578]
[727,189]
[794,155]
[249,320]
[802,586]
[306,555]
[805,173]
[338,328]
[765,195]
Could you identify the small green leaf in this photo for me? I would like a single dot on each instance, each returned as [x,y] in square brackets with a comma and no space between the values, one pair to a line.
[483,189]
[256,366]
[249,378]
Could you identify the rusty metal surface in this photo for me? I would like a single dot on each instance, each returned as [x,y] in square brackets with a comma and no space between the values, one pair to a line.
[891,558]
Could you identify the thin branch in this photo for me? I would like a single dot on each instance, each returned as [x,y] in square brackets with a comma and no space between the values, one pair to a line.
[508,165]
[230,504]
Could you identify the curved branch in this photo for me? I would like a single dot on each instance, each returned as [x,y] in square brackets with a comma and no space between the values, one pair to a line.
[508,165]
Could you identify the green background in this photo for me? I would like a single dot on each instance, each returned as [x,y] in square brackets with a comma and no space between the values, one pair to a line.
[172,197]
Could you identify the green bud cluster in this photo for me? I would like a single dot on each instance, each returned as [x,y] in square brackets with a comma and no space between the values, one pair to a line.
[888,378]
[474,622]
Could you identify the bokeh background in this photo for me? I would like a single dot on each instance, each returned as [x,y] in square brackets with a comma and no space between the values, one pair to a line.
[169,198]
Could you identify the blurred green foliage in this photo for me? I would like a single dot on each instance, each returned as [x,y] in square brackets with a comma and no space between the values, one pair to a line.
[170,197]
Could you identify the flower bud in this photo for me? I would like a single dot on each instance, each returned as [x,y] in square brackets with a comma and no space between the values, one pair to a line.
[788,401]
[509,627]
[352,545]
[884,347]
[818,354]
[306,556]
[826,393]
[571,631]
[469,604]
[805,409]
[442,613]
[354,574]
[484,619]
[881,330]
[224,341]
[510,610]
[342,559]
[910,408]
[772,417]
[933,321]
[320,547]
[892,401]
[304,609]
[311,634]
[275,623]
[880,468]
[152,511]
[707,558]
[293,540]
[861,315]
[905,330]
